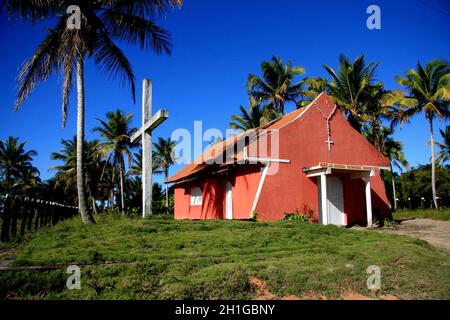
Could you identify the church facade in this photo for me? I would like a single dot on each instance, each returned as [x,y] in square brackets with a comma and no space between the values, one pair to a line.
[310,159]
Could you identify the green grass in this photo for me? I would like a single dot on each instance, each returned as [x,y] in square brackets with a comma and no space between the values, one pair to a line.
[443,214]
[215,259]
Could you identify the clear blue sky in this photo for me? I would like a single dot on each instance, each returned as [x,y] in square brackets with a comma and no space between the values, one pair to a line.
[216,45]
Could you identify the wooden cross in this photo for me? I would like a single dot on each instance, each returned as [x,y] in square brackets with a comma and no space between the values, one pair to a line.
[149,123]
[329,143]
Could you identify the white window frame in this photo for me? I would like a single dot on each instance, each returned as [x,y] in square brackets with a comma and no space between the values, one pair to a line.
[196,196]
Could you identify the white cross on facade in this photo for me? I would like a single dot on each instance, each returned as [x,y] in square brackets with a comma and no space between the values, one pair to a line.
[149,123]
[329,143]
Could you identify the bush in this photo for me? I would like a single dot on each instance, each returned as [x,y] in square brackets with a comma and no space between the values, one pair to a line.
[304,215]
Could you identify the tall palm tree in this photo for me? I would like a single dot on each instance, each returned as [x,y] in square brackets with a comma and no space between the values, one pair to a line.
[381,104]
[251,119]
[429,89]
[391,148]
[276,87]
[15,161]
[163,158]
[66,49]
[28,182]
[351,86]
[66,173]
[116,131]
[444,152]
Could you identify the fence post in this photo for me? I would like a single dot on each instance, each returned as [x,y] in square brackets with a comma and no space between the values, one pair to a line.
[6,219]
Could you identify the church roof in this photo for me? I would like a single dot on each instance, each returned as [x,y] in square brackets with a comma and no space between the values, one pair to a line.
[219,149]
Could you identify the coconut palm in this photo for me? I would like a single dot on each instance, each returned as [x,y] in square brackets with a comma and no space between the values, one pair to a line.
[351,86]
[391,148]
[380,104]
[65,49]
[163,158]
[313,87]
[66,173]
[28,182]
[15,162]
[444,152]
[276,87]
[116,132]
[429,90]
[251,119]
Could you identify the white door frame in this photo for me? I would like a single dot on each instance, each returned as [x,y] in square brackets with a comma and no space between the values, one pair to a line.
[340,211]
[229,201]
[322,184]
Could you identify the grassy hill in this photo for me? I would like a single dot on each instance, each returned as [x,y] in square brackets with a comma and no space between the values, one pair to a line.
[158,258]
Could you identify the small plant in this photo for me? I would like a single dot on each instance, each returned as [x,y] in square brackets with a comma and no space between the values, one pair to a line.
[304,215]
[254,215]
[385,223]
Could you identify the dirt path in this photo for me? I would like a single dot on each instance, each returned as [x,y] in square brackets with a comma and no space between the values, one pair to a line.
[436,232]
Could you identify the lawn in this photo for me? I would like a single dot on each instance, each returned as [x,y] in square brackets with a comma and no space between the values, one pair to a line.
[159,258]
[443,214]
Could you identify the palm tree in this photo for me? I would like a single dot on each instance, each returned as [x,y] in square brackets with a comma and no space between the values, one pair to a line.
[429,90]
[381,104]
[276,87]
[66,173]
[444,152]
[249,119]
[163,158]
[351,86]
[15,162]
[391,148]
[117,132]
[66,49]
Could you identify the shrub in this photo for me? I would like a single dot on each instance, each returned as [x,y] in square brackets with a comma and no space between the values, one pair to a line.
[304,215]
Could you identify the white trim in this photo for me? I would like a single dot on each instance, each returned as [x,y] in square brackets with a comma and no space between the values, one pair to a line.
[318,172]
[368,202]
[348,167]
[263,159]
[324,198]
[228,200]
[260,185]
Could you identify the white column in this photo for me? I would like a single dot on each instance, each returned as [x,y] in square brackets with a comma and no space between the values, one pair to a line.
[146,149]
[368,202]
[323,198]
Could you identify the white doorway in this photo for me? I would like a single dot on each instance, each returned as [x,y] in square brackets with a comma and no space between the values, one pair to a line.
[229,201]
[335,201]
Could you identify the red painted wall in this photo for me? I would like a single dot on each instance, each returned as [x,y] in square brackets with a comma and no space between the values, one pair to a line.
[303,143]
[244,182]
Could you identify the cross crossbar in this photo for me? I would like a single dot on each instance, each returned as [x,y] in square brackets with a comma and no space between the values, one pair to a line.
[151,124]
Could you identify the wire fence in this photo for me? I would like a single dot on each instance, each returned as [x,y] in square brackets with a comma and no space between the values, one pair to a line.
[20,215]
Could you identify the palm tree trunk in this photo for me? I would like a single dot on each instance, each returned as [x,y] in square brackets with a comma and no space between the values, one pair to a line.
[433,165]
[86,217]
[393,186]
[122,204]
[376,138]
[94,208]
[166,176]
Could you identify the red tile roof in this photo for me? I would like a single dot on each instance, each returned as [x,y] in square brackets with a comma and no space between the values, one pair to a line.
[219,149]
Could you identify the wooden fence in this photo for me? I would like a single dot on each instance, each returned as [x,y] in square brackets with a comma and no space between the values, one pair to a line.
[22,215]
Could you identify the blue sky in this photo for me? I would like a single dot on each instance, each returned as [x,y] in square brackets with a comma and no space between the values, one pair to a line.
[216,45]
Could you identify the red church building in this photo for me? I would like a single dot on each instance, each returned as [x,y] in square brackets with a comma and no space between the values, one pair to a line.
[310,157]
